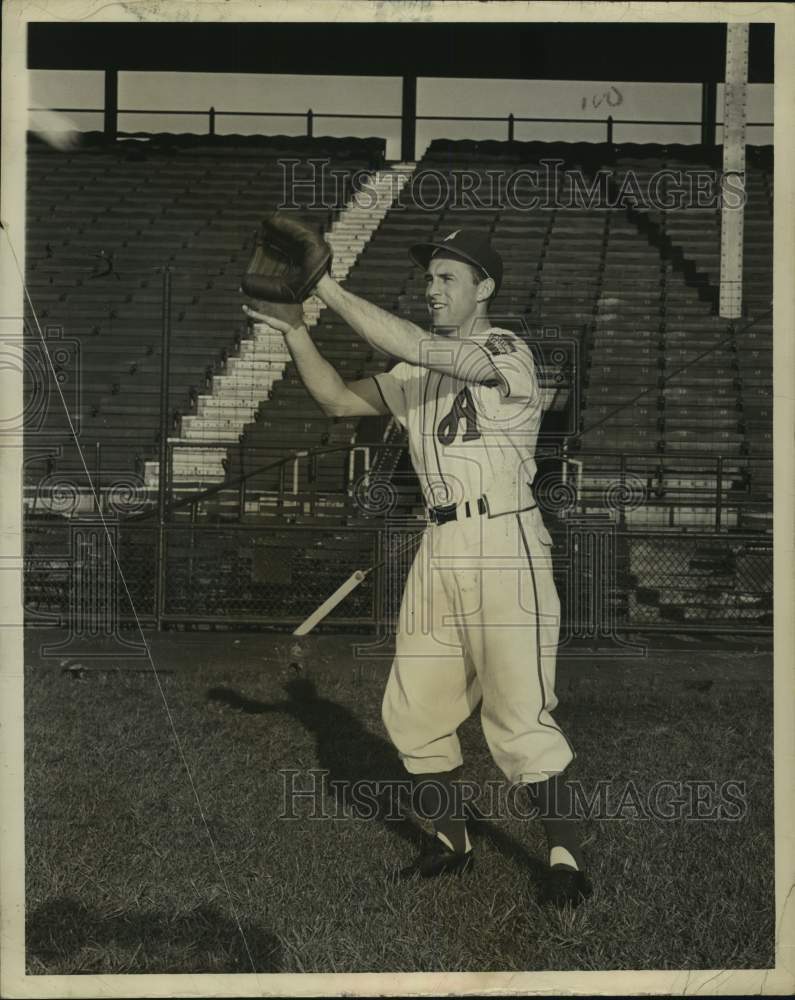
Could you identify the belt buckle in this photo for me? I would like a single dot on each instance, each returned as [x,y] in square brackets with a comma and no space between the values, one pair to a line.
[441,515]
[453,512]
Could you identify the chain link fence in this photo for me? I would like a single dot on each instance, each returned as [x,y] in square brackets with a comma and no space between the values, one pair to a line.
[88,573]
[89,576]
[701,580]
[271,576]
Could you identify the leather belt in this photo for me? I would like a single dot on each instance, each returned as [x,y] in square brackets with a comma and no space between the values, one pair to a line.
[468,508]
[455,512]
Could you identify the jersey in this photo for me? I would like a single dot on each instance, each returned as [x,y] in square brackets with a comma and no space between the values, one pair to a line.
[471,440]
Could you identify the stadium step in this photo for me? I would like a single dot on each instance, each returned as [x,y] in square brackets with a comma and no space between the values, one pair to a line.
[190,465]
[245,381]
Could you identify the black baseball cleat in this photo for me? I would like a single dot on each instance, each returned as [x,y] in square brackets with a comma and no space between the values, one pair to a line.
[434,861]
[563,886]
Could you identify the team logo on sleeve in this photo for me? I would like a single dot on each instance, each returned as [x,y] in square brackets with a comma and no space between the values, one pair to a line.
[499,343]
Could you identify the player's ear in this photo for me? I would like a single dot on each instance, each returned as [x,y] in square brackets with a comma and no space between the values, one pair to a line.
[485,289]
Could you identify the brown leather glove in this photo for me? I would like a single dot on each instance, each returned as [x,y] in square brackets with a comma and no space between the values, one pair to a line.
[288,261]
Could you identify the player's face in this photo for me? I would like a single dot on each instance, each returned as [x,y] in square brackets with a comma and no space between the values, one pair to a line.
[451,293]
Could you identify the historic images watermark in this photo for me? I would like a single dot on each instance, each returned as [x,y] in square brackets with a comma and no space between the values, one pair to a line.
[314,184]
[72,575]
[49,365]
[312,794]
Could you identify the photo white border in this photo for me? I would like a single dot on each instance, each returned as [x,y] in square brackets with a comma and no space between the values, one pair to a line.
[13,981]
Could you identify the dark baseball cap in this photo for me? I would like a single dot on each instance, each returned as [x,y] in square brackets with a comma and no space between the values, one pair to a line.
[465,244]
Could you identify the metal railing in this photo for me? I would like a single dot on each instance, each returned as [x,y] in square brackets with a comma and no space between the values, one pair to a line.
[263,569]
[619,481]
[655,481]
[310,117]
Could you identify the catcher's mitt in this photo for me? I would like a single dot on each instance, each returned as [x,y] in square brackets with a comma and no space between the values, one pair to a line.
[288,261]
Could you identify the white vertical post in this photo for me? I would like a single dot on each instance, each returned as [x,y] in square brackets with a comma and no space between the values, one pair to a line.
[735,103]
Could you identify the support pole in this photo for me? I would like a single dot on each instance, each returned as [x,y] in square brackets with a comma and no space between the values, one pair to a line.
[111,125]
[408,124]
[98,476]
[163,471]
[709,106]
[735,104]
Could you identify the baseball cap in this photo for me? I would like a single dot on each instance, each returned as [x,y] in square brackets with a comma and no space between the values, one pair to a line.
[469,245]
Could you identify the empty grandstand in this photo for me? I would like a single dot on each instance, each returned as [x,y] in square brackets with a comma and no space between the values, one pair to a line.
[617,299]
[152,401]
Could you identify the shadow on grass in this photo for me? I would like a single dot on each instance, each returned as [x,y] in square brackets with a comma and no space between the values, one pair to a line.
[353,755]
[203,940]
[350,754]
[480,827]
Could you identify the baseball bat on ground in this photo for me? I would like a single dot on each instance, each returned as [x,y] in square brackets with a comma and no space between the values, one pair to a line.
[330,603]
[350,584]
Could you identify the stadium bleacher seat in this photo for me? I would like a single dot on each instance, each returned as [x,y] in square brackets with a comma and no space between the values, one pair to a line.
[636,287]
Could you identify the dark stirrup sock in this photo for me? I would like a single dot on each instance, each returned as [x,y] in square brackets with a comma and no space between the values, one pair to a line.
[437,798]
[553,800]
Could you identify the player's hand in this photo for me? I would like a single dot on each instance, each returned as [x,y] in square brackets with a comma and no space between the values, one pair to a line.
[283,317]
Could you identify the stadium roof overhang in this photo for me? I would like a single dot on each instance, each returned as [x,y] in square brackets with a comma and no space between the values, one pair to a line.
[584,51]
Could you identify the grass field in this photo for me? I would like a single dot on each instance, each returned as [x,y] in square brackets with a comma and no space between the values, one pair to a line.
[121,874]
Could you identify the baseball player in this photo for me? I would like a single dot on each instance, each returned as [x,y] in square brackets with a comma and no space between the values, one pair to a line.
[479,618]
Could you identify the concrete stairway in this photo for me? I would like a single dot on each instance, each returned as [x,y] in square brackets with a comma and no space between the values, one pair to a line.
[250,374]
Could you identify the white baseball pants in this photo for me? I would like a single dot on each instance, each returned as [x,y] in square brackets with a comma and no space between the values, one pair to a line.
[479,620]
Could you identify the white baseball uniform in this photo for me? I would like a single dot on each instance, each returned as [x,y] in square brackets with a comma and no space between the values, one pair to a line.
[480,614]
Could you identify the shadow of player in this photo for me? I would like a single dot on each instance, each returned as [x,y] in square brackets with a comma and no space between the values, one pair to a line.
[362,773]
[350,754]
[144,941]
[480,827]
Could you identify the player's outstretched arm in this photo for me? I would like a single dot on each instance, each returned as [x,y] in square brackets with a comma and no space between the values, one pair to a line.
[395,336]
[291,261]
[405,340]
[334,396]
